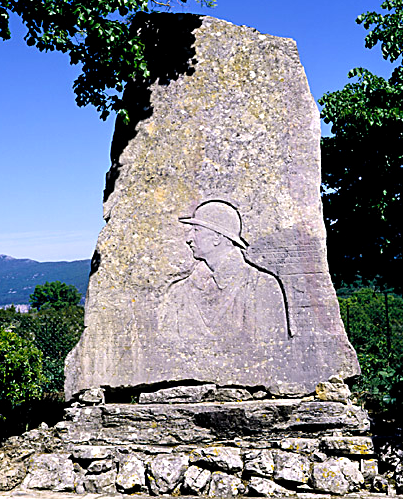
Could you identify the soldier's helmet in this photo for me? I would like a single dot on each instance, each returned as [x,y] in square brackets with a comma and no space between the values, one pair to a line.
[220,217]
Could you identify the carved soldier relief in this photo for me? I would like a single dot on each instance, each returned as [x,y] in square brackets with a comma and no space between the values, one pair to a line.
[225,300]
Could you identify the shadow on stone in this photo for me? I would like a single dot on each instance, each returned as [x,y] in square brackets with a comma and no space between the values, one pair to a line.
[168,48]
[233,423]
[283,291]
[95,262]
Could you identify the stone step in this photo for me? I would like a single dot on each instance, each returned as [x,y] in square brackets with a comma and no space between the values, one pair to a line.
[172,425]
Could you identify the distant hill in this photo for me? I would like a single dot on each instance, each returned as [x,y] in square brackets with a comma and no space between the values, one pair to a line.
[18,277]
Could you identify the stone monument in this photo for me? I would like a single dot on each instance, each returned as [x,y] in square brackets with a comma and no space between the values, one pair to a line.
[213,358]
[211,267]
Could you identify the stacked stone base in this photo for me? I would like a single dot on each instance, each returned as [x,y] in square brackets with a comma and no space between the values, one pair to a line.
[253,447]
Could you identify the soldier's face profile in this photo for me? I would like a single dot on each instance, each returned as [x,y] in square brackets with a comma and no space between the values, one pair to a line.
[201,241]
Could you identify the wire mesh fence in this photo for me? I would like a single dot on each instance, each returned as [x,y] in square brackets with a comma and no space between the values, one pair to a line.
[53,332]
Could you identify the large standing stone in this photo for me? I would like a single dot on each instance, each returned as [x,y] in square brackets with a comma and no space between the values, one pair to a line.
[226,117]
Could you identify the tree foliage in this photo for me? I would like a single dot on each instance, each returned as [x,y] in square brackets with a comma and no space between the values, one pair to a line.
[362,162]
[33,347]
[21,374]
[56,295]
[95,34]
[386,29]
[374,323]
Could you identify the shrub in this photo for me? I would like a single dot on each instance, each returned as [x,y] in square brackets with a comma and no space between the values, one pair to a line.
[21,375]
[53,332]
[374,324]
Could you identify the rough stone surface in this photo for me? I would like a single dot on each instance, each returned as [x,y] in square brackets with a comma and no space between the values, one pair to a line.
[100,483]
[224,485]
[380,484]
[305,445]
[223,458]
[399,478]
[337,476]
[232,394]
[131,476]
[38,441]
[103,466]
[260,394]
[91,452]
[50,471]
[264,487]
[226,116]
[41,494]
[348,445]
[165,472]
[185,394]
[93,396]
[192,424]
[291,467]
[255,447]
[259,463]
[196,480]
[337,392]
[11,473]
[319,457]
[351,471]
[369,469]
[328,477]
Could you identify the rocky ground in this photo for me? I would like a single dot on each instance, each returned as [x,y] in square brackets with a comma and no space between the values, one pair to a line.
[45,494]
[315,447]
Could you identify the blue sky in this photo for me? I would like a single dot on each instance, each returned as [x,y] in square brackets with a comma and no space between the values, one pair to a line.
[54,155]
